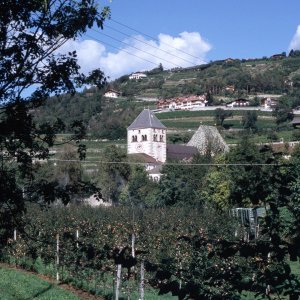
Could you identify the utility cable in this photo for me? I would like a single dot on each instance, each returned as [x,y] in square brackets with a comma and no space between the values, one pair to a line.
[98,40]
[165,164]
[148,44]
[149,36]
[111,37]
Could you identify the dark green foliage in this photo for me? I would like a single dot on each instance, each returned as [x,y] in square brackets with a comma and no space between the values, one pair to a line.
[249,120]
[113,173]
[221,115]
[180,183]
[31,70]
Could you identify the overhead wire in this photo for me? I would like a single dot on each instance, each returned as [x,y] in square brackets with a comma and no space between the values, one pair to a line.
[165,164]
[113,38]
[133,29]
[112,46]
[148,44]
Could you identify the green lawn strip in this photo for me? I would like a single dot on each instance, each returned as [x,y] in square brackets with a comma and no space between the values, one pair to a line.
[17,285]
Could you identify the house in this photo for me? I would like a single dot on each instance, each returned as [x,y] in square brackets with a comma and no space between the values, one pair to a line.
[295,122]
[230,88]
[278,56]
[137,76]
[110,93]
[268,103]
[191,102]
[238,103]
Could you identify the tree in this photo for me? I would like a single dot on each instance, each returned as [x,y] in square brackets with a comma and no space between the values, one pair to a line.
[113,174]
[32,69]
[283,112]
[221,115]
[249,120]
[142,191]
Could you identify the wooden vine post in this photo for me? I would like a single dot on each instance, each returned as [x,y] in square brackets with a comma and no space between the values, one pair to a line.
[57,257]
[118,281]
[142,284]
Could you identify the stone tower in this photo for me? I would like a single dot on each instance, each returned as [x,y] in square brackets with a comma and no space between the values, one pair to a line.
[147,135]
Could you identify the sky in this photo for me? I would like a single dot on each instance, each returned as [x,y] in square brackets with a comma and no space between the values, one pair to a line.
[141,34]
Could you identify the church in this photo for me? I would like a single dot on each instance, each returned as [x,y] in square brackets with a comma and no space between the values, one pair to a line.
[147,135]
[147,143]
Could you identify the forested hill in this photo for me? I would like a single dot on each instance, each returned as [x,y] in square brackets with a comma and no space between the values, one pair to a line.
[221,80]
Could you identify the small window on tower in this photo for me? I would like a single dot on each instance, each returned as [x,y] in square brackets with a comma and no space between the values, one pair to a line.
[161,138]
[155,138]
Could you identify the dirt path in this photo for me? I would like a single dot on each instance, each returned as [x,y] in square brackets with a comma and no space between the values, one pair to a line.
[79,293]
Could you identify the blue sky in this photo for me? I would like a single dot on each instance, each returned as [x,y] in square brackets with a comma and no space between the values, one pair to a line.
[200,30]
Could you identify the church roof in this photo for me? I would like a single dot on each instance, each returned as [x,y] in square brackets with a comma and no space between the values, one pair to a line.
[144,158]
[181,152]
[208,138]
[146,119]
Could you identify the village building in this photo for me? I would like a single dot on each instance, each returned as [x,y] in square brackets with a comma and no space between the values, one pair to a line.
[238,103]
[230,88]
[137,76]
[268,103]
[110,93]
[182,103]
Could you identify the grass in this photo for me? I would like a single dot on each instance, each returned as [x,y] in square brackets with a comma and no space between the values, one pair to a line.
[202,113]
[17,285]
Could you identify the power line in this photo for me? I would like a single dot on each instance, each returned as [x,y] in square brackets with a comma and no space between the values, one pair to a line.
[132,37]
[166,164]
[124,25]
[96,39]
[111,37]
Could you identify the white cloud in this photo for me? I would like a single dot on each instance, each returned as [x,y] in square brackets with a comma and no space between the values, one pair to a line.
[142,54]
[88,53]
[295,42]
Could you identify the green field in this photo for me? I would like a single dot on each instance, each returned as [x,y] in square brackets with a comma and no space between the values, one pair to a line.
[17,285]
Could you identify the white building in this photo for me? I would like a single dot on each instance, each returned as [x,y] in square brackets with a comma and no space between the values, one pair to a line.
[111,94]
[238,103]
[147,135]
[183,103]
[137,75]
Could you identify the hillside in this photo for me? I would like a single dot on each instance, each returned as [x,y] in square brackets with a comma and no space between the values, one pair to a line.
[229,78]
[222,81]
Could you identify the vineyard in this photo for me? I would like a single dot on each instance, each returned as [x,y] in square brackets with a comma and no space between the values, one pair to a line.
[87,247]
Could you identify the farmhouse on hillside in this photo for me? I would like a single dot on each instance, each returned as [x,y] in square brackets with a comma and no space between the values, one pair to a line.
[110,93]
[137,76]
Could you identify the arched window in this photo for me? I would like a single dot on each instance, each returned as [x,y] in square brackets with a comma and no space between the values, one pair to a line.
[144,138]
[161,138]
[155,138]
[134,138]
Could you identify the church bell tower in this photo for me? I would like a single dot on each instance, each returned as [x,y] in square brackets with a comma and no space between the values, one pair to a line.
[147,135]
